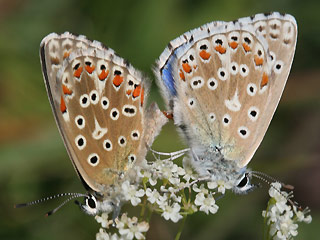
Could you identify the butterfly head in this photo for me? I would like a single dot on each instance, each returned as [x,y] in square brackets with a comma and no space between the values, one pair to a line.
[94,204]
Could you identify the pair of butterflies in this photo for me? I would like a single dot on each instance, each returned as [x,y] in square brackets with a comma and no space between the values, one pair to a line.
[222,82]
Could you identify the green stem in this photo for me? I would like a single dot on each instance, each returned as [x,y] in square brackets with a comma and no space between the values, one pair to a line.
[181,228]
[143,208]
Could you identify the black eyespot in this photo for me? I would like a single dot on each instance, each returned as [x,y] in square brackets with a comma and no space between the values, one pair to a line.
[204,47]
[108,145]
[84,100]
[243,132]
[185,61]
[278,66]
[76,66]
[212,83]
[93,97]
[131,110]
[253,113]
[234,38]
[130,82]
[191,102]
[132,158]
[244,70]
[91,203]
[247,40]
[94,159]
[243,182]
[271,57]
[234,68]
[222,73]
[88,63]
[104,102]
[80,121]
[226,120]
[251,89]
[191,57]
[122,141]
[135,134]
[114,113]
[219,41]
[259,53]
[103,67]
[80,142]
[195,83]
[117,72]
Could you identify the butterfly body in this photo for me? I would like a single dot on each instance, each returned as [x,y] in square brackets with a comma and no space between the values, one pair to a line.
[223,82]
[98,100]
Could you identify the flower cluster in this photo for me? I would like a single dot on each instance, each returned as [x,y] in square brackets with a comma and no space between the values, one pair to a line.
[282,215]
[175,192]
[128,228]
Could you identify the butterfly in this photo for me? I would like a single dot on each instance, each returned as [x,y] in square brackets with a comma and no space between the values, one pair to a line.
[99,103]
[223,82]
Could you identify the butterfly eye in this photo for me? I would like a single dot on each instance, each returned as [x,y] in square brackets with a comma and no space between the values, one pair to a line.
[243,181]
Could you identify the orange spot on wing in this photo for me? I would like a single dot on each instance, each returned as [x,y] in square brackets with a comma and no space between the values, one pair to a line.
[182,75]
[66,90]
[129,92]
[204,55]
[136,91]
[265,80]
[246,47]
[66,54]
[63,107]
[90,69]
[117,80]
[103,75]
[77,73]
[258,61]
[186,67]
[220,49]
[168,115]
[233,45]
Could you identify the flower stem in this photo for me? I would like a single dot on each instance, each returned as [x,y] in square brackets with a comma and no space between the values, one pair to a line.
[181,228]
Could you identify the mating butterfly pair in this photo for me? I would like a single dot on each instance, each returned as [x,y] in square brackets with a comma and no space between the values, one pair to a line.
[222,82]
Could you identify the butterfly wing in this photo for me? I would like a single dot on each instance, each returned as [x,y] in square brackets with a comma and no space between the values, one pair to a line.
[222,82]
[98,101]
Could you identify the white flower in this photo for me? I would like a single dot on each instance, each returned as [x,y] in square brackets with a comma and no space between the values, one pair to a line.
[202,189]
[162,200]
[130,193]
[134,229]
[222,185]
[281,215]
[207,204]
[103,235]
[171,212]
[153,195]
[103,220]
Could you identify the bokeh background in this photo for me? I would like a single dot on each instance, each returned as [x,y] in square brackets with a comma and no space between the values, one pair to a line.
[34,163]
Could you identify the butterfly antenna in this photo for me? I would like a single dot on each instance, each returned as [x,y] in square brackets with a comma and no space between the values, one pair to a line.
[74,195]
[266,176]
[71,196]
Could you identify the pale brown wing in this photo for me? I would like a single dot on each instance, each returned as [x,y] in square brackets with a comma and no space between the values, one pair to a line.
[228,84]
[98,102]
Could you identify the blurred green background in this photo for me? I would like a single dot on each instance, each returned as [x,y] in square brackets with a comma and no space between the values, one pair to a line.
[34,163]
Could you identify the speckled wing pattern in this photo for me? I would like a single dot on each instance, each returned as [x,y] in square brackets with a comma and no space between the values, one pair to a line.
[223,82]
[98,100]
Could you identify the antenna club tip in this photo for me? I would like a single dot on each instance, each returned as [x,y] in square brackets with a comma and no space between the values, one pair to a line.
[288,186]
